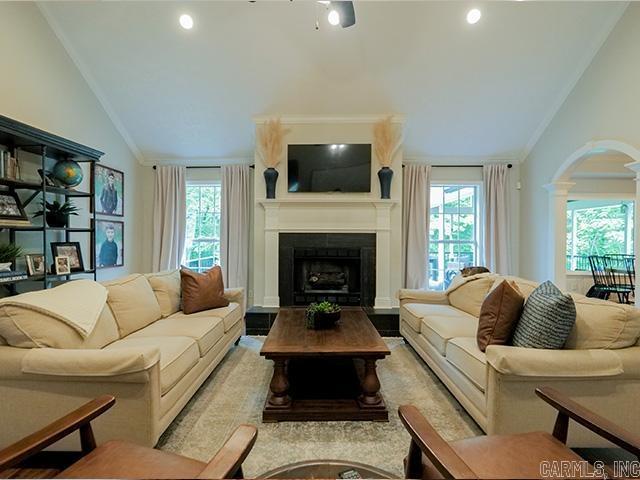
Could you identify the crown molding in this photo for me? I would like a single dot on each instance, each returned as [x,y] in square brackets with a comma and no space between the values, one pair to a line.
[597,44]
[320,119]
[91,82]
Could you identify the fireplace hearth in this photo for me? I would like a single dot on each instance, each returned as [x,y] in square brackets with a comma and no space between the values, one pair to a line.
[336,267]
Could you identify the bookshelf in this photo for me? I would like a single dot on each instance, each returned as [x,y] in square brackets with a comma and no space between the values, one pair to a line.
[48,148]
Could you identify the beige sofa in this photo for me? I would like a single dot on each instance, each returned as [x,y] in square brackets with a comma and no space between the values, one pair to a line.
[599,366]
[143,350]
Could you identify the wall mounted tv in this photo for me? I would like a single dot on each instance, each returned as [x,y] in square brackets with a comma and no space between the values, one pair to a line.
[330,168]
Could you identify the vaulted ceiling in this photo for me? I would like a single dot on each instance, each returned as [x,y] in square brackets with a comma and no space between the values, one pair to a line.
[482,91]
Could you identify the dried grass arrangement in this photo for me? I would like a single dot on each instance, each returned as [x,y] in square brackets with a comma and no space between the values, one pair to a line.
[271,142]
[386,141]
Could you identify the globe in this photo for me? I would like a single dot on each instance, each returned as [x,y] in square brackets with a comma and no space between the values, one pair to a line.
[68,172]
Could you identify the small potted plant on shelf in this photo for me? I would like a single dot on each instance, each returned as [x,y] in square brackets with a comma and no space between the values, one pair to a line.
[56,213]
[8,253]
[322,315]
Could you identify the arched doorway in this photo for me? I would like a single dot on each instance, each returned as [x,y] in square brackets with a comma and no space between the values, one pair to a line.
[559,193]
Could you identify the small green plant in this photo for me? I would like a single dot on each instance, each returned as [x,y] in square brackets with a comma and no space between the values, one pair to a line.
[57,208]
[321,308]
[9,252]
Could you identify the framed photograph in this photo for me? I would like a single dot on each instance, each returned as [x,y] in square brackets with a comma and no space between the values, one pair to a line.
[63,265]
[36,264]
[11,209]
[71,250]
[109,244]
[109,193]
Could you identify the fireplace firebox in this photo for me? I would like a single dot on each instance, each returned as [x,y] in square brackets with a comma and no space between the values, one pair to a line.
[337,267]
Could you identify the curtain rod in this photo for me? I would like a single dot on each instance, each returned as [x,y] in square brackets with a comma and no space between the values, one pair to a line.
[462,166]
[206,166]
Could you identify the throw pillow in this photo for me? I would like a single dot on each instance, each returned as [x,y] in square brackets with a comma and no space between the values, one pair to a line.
[547,319]
[202,291]
[499,315]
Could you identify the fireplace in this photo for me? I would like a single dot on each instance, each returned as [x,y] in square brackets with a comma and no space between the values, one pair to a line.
[337,267]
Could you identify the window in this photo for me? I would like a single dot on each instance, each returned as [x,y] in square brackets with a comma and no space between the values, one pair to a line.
[597,227]
[454,235]
[202,249]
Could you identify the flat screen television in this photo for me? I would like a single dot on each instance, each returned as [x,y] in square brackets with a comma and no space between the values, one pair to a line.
[329,168]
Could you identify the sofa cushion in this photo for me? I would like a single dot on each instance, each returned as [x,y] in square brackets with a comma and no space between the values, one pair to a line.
[26,328]
[439,329]
[547,319]
[414,313]
[178,355]
[205,330]
[133,303]
[525,286]
[230,315]
[464,354]
[499,315]
[469,294]
[602,324]
[166,287]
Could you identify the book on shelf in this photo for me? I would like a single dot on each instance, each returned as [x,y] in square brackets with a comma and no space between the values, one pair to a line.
[9,276]
[15,223]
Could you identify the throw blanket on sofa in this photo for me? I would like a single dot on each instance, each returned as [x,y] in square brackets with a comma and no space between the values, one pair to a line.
[77,304]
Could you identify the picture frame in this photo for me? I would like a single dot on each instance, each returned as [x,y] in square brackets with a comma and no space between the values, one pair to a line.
[109,191]
[62,265]
[11,210]
[36,264]
[109,248]
[71,250]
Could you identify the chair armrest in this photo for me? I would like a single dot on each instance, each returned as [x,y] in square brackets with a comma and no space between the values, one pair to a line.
[436,449]
[228,461]
[588,419]
[423,296]
[534,362]
[89,363]
[78,419]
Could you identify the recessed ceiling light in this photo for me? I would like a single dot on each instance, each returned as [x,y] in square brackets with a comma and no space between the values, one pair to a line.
[473,16]
[186,21]
[334,17]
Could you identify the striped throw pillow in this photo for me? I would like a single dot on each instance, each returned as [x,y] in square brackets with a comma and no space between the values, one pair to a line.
[547,319]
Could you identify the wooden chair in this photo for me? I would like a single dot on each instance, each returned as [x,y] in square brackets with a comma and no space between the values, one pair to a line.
[508,456]
[116,459]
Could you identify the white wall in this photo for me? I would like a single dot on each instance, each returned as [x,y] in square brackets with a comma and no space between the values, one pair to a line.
[41,86]
[604,105]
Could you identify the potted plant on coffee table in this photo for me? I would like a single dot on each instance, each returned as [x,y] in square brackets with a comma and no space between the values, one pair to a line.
[322,315]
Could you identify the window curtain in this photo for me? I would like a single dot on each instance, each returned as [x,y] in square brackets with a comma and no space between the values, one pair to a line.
[235,225]
[496,218]
[415,224]
[169,217]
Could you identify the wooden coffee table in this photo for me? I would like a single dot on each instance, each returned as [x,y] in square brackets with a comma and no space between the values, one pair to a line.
[324,374]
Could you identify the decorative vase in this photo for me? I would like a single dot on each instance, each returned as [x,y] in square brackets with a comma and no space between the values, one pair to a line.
[68,173]
[270,179]
[385,175]
[322,321]
[57,220]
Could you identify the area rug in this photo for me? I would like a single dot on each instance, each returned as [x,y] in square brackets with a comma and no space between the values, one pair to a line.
[235,393]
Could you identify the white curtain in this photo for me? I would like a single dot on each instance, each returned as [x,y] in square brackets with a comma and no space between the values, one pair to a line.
[496,218]
[415,224]
[235,225]
[169,217]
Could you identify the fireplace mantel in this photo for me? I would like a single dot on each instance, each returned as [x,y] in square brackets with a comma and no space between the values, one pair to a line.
[329,213]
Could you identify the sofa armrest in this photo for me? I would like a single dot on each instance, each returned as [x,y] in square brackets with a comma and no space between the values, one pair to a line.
[533,362]
[235,295]
[100,363]
[406,295]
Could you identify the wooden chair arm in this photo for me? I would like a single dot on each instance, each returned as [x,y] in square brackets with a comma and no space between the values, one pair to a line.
[569,409]
[227,463]
[429,442]
[79,419]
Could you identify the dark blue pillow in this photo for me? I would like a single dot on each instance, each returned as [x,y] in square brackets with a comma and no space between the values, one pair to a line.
[547,319]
